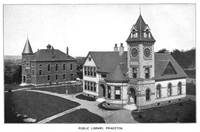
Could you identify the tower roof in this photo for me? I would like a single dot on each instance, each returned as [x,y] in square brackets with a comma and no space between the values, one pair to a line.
[116,76]
[140,27]
[27,48]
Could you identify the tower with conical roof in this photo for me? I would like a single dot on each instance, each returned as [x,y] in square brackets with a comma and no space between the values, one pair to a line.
[140,44]
[27,54]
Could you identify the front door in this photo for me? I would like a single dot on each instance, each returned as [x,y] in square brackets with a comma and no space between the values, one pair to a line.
[102,91]
[24,79]
[132,96]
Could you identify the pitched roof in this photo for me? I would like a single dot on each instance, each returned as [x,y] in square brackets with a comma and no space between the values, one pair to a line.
[106,61]
[50,55]
[140,26]
[161,62]
[116,76]
[27,48]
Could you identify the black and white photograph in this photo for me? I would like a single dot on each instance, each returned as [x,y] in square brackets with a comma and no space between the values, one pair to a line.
[105,63]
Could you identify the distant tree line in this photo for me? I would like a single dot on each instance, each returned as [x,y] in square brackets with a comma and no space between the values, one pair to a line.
[12,72]
[186,59]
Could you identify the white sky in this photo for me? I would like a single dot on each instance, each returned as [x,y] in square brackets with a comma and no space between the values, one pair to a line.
[85,28]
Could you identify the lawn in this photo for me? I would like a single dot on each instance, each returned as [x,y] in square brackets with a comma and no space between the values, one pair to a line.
[185,111]
[62,89]
[83,97]
[190,89]
[35,105]
[79,116]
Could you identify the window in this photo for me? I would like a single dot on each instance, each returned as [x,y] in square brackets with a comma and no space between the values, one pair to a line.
[71,66]
[63,67]
[32,72]
[85,85]
[40,72]
[71,76]
[117,93]
[103,75]
[27,63]
[134,72]
[179,90]
[91,86]
[48,67]
[169,90]
[56,77]
[40,64]
[63,76]
[94,87]
[48,77]
[95,71]
[109,91]
[147,73]
[56,67]
[89,58]
[158,91]
[91,73]
[148,94]
[88,71]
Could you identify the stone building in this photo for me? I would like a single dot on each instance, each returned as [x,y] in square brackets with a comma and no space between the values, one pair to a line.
[47,66]
[137,76]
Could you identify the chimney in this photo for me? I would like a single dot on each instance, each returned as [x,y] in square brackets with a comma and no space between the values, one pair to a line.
[48,46]
[115,48]
[67,51]
[121,49]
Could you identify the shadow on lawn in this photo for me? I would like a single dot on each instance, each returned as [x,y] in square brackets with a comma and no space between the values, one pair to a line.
[184,112]
[83,97]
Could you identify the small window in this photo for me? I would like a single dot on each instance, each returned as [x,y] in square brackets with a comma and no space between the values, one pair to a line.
[56,77]
[169,90]
[48,67]
[89,59]
[85,70]
[63,67]
[40,64]
[71,66]
[40,72]
[91,86]
[103,75]
[134,73]
[71,76]
[179,90]
[148,94]
[63,76]
[32,72]
[56,67]
[94,71]
[147,72]
[27,63]
[109,92]
[117,93]
[94,87]
[158,91]
[85,85]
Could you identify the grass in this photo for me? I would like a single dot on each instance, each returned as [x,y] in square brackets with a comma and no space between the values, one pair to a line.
[62,89]
[184,111]
[79,116]
[83,97]
[35,105]
[190,89]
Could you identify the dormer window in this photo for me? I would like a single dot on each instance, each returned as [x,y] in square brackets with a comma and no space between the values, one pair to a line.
[89,58]
[147,33]
[134,34]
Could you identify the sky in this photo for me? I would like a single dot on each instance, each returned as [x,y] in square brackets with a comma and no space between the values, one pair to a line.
[95,27]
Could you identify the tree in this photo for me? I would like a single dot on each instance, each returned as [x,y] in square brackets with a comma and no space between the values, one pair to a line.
[163,51]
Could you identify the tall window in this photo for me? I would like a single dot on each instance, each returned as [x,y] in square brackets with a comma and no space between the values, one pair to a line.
[134,72]
[32,72]
[91,86]
[71,66]
[85,70]
[71,76]
[169,90]
[179,90]
[63,67]
[147,72]
[109,91]
[56,67]
[148,94]
[95,71]
[91,73]
[56,77]
[63,76]
[94,87]
[48,67]
[158,91]
[40,72]
[86,85]
[117,93]
[48,77]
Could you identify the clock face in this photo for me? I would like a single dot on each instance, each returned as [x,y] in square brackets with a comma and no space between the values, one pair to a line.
[147,52]
[134,52]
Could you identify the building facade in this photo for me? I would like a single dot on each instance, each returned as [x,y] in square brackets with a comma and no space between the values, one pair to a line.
[47,66]
[136,76]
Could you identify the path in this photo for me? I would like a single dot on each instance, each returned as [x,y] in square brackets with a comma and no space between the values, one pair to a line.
[115,116]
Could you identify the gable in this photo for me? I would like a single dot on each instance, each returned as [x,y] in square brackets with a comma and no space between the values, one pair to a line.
[169,70]
[89,61]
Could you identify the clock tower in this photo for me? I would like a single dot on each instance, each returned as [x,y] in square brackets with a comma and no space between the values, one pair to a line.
[140,45]
[141,69]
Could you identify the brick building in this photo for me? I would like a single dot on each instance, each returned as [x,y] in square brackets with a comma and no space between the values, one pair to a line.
[137,76]
[47,66]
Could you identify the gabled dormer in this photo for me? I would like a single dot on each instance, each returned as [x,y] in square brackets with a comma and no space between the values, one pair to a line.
[169,70]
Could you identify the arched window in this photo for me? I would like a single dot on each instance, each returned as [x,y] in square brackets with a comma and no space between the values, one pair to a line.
[179,90]
[148,94]
[158,91]
[169,89]
[63,67]
[71,66]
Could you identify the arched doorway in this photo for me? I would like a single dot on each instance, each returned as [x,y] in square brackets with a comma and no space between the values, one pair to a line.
[102,90]
[132,96]
[24,79]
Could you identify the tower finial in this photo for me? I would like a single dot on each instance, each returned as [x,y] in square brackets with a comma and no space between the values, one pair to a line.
[140,10]
[27,35]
